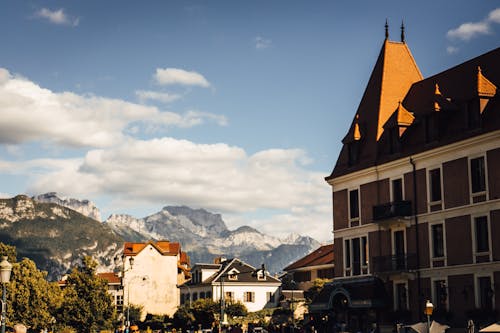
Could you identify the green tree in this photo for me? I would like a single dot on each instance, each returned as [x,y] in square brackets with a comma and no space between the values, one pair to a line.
[183,316]
[9,251]
[204,311]
[236,309]
[316,288]
[87,305]
[32,300]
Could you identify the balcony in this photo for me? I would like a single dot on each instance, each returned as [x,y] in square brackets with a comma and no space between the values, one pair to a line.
[395,263]
[392,210]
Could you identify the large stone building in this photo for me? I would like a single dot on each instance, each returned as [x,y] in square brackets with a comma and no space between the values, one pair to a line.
[416,197]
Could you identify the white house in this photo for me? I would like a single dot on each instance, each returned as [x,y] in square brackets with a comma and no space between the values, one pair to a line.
[236,280]
[151,278]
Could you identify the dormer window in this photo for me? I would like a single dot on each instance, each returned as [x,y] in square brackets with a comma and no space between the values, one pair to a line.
[261,276]
[233,275]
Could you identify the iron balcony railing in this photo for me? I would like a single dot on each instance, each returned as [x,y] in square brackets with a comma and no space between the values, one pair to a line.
[392,209]
[395,263]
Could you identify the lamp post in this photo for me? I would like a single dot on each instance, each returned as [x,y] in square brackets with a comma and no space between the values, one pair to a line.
[429,307]
[123,259]
[5,270]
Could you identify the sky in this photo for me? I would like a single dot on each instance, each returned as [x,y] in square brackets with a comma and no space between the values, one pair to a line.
[237,107]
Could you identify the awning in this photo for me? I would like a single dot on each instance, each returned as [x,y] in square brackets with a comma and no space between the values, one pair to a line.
[361,293]
[492,328]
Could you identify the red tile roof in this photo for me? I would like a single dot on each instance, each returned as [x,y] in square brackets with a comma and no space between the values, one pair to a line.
[321,256]
[111,277]
[166,248]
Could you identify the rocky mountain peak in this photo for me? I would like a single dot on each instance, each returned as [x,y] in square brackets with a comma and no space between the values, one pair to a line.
[84,207]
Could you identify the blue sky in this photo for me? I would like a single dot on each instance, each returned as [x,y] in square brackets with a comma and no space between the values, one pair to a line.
[238,107]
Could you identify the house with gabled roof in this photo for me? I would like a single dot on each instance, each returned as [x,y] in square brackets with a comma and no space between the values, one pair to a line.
[151,282]
[316,265]
[236,280]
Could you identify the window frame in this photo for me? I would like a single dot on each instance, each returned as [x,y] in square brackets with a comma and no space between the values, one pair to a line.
[354,221]
[364,255]
[475,235]
[395,295]
[477,291]
[475,195]
[434,203]
[391,188]
[431,243]
[250,299]
[434,294]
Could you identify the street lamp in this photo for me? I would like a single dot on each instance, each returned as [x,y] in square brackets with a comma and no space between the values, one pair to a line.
[123,259]
[428,311]
[5,270]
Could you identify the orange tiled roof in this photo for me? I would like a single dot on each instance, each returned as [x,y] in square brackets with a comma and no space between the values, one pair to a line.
[164,247]
[321,256]
[111,277]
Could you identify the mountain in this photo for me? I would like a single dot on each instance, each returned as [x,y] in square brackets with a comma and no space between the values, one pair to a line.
[53,236]
[84,207]
[204,236]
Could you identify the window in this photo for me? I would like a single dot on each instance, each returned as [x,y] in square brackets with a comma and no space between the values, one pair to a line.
[397,190]
[195,296]
[477,173]
[233,275]
[440,294]
[485,294]
[482,234]
[354,205]
[182,298]
[249,297]
[401,297]
[478,179]
[209,294]
[326,273]
[435,185]
[356,256]
[270,297]
[302,276]
[437,240]
[202,294]
[228,296]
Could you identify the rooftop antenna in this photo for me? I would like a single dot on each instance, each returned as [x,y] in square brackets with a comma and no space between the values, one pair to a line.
[386,29]
[402,32]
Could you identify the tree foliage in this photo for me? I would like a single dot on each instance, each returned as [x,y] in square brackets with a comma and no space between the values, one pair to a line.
[9,251]
[32,300]
[316,288]
[236,309]
[87,306]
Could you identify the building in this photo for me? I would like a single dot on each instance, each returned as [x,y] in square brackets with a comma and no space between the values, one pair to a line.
[114,288]
[416,197]
[236,280]
[151,273]
[316,265]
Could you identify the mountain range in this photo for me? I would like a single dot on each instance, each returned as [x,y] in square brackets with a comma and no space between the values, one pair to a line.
[56,232]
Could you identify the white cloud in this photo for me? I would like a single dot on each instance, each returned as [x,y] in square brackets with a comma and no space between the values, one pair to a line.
[172,76]
[145,95]
[217,177]
[262,43]
[469,30]
[57,17]
[29,112]
[452,49]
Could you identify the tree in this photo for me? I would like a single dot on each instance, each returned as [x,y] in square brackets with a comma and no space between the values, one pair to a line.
[87,305]
[204,311]
[316,288]
[32,300]
[183,317]
[236,309]
[9,251]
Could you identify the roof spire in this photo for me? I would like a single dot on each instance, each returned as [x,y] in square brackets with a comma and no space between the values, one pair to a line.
[386,29]
[402,31]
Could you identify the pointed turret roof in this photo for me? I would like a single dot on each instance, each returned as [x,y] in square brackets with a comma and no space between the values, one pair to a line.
[393,74]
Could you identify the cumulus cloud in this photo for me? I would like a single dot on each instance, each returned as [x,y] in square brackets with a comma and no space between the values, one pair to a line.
[32,113]
[262,43]
[145,95]
[175,76]
[57,17]
[469,30]
[218,177]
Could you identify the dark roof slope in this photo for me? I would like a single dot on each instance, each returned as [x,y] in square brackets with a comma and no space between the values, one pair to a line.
[321,256]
